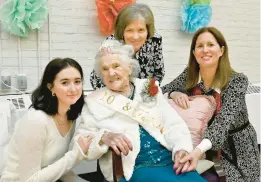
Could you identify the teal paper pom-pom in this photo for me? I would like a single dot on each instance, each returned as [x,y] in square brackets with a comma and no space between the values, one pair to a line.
[36,13]
[19,16]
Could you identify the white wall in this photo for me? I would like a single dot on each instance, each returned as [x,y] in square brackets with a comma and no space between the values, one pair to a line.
[74,33]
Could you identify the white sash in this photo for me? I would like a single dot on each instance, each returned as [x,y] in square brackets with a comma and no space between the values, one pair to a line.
[127,107]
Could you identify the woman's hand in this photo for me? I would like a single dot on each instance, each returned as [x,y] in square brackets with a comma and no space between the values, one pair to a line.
[193,158]
[118,142]
[84,142]
[180,99]
[178,166]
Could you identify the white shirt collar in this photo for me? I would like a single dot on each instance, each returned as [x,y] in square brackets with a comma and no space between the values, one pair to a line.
[216,89]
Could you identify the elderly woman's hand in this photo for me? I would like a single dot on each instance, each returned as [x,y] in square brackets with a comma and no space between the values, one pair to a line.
[180,99]
[84,142]
[193,158]
[180,167]
[118,142]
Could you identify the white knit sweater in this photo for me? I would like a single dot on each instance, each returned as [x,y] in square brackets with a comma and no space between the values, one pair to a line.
[37,151]
[98,118]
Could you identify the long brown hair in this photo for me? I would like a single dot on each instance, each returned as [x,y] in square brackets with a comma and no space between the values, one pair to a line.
[224,69]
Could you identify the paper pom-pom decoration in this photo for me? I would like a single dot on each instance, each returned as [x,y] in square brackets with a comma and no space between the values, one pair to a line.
[195,14]
[19,16]
[108,11]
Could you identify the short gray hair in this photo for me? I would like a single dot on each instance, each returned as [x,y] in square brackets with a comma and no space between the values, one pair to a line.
[125,53]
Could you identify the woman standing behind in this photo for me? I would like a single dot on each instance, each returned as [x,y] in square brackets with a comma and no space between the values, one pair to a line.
[209,73]
[135,26]
[39,144]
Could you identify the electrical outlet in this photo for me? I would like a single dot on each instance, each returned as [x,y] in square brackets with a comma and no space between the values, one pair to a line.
[5,83]
[21,82]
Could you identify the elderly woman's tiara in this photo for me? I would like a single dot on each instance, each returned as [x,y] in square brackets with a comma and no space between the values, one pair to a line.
[105,51]
[115,47]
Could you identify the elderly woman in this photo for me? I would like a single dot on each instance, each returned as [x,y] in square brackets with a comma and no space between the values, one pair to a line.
[132,117]
[135,26]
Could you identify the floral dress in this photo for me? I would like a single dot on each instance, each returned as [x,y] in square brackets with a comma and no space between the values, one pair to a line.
[149,57]
[154,163]
[230,130]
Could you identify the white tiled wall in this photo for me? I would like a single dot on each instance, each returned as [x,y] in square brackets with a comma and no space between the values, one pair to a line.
[73,32]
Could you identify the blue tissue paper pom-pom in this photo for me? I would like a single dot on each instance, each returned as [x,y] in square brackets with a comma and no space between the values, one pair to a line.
[195,17]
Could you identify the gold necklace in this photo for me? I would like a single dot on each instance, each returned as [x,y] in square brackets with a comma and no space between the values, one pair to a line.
[59,121]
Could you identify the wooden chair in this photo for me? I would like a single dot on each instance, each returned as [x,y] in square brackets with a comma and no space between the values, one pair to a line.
[117,167]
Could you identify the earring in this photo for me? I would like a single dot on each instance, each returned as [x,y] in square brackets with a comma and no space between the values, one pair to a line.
[53,94]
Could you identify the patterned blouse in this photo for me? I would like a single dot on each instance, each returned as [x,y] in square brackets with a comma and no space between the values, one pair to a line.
[232,99]
[230,130]
[150,59]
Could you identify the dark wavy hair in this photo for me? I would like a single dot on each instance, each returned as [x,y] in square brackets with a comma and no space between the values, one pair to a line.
[42,98]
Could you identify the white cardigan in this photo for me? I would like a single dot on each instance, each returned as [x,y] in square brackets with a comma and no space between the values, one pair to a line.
[98,118]
[38,153]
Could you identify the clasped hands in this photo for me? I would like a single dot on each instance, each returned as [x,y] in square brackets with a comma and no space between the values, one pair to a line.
[184,162]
